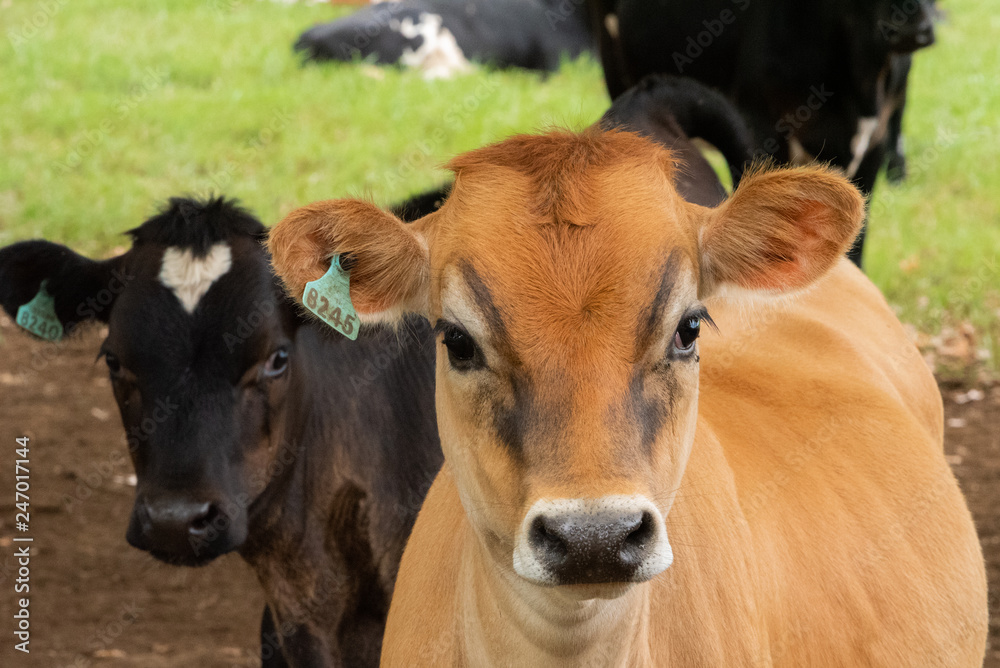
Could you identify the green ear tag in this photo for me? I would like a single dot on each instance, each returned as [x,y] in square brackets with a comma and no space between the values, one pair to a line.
[39,316]
[329,298]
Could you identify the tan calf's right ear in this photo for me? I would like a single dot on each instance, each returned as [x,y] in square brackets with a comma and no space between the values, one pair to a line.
[390,267]
[780,231]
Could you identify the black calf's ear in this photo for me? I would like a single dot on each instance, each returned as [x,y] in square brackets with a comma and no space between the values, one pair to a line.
[80,288]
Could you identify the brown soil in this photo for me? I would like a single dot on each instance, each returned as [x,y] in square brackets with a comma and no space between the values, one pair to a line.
[95,601]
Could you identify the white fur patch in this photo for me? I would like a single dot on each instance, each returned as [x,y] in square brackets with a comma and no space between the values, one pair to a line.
[439,55]
[190,277]
[611,25]
[797,153]
[860,143]
[658,558]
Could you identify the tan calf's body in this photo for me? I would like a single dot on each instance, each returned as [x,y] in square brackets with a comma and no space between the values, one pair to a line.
[820,542]
[617,492]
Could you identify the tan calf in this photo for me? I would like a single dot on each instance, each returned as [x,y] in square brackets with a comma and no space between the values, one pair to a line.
[609,497]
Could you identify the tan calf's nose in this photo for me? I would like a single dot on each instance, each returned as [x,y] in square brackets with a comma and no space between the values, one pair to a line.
[613,539]
[591,548]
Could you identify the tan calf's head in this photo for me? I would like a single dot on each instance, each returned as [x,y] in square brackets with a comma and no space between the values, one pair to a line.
[565,276]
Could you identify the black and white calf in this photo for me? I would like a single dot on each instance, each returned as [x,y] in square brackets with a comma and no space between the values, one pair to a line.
[441,37]
[252,429]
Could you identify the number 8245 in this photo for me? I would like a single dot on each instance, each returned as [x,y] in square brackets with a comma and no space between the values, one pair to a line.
[331,315]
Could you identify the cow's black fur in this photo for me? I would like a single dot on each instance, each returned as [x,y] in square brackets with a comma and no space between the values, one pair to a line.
[314,475]
[671,110]
[194,224]
[422,204]
[774,58]
[532,34]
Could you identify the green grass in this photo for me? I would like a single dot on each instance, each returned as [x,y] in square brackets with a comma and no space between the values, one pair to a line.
[113,107]
[108,108]
[934,247]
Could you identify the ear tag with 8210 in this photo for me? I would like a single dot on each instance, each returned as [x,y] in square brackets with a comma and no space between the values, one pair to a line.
[329,299]
[39,316]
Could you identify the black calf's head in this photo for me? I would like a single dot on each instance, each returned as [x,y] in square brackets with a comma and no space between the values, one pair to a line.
[199,350]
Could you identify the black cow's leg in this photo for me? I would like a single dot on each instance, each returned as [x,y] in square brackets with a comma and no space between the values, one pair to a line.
[896,163]
[857,250]
[271,655]
[609,46]
[864,179]
[899,76]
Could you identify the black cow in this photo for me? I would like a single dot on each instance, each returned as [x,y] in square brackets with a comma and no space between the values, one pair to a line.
[251,428]
[442,36]
[815,80]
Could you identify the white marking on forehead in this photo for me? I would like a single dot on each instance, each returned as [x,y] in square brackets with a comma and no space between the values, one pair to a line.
[190,277]
[439,55]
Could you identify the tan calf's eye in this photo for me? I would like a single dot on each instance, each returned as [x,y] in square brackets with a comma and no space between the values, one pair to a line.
[463,353]
[687,334]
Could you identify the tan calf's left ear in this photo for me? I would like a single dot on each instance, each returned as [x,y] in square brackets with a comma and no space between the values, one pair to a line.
[780,231]
[390,265]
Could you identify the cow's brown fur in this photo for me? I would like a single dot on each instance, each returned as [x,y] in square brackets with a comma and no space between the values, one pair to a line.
[813,518]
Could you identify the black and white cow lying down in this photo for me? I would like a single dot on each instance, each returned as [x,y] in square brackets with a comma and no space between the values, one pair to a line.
[821,80]
[441,37]
[281,439]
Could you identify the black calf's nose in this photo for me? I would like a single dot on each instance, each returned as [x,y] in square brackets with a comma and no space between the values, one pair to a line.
[180,531]
[592,548]
[181,518]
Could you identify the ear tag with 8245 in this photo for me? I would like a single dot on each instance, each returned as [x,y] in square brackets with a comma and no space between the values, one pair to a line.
[329,299]
[39,316]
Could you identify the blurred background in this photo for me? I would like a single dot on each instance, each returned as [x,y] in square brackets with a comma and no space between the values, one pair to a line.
[107,108]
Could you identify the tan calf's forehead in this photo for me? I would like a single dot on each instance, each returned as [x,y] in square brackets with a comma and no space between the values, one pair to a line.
[571,239]
[564,178]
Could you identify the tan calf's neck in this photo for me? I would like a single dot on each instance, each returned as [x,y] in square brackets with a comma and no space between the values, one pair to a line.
[508,621]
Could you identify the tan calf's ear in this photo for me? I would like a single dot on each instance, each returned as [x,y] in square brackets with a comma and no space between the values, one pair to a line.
[780,230]
[390,264]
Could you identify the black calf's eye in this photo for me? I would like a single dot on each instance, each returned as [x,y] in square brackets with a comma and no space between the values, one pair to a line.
[114,365]
[687,334]
[462,351]
[277,363]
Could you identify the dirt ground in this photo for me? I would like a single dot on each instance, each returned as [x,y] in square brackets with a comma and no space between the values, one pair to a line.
[95,601]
